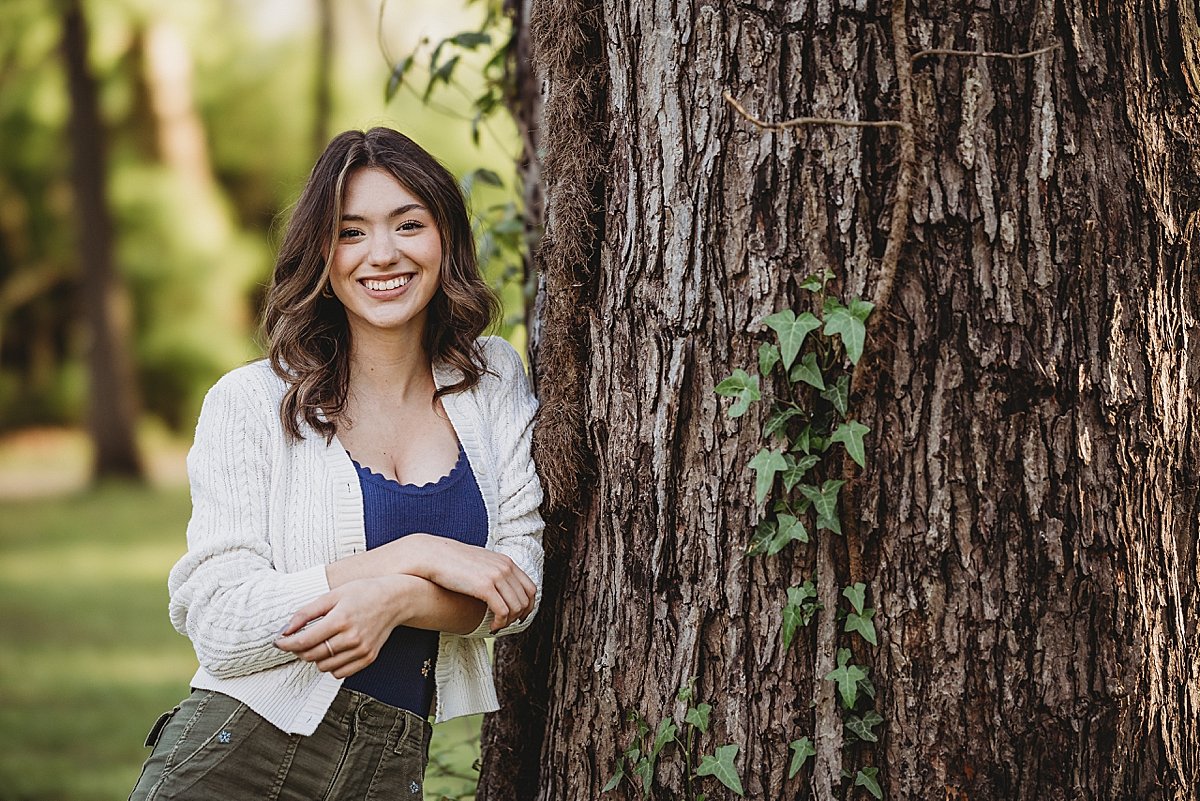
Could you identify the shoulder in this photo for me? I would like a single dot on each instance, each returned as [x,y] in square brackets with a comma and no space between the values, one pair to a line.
[253,388]
[501,358]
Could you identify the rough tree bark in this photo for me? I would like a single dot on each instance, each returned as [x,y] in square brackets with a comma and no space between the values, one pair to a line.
[1028,519]
[112,390]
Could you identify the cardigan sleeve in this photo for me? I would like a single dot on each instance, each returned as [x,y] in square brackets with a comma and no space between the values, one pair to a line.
[226,595]
[519,523]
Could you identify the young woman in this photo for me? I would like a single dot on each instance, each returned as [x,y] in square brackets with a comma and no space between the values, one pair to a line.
[365,509]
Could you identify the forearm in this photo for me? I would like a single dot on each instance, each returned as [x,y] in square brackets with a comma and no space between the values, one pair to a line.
[406,555]
[425,605]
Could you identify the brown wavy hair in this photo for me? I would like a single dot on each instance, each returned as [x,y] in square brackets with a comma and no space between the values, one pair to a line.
[305,326]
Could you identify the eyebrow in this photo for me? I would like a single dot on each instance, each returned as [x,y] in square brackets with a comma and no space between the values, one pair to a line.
[396,212]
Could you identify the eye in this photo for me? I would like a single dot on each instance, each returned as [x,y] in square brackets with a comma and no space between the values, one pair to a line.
[410,226]
[349,233]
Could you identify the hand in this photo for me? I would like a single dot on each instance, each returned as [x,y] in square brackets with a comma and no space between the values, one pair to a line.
[479,573]
[346,626]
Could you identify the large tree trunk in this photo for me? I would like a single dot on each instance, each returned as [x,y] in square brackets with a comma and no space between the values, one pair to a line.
[1028,519]
[112,390]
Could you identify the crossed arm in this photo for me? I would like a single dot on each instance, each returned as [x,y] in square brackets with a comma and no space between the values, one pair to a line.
[419,580]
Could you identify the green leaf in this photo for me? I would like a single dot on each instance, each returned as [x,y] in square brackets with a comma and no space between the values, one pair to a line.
[857,595]
[864,727]
[815,282]
[789,528]
[397,77]
[839,395]
[615,779]
[808,371]
[665,734]
[841,321]
[766,464]
[768,357]
[777,420]
[488,177]
[847,678]
[868,777]
[802,592]
[644,770]
[791,331]
[865,685]
[829,524]
[797,468]
[442,73]
[802,749]
[763,533]
[803,440]
[722,767]
[472,39]
[861,308]
[799,611]
[698,716]
[742,386]
[862,624]
[850,434]
[824,500]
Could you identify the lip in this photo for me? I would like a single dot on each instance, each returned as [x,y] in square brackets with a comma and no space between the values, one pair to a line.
[387,294]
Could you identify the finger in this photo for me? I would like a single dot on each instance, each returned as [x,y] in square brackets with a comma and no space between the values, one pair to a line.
[308,613]
[343,663]
[515,598]
[310,638]
[499,607]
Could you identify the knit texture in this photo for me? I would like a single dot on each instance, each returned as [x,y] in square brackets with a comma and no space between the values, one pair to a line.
[268,515]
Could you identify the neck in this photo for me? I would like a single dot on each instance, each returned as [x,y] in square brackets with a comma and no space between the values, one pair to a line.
[398,368]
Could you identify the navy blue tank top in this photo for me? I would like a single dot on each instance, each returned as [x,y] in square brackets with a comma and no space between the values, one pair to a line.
[403,673]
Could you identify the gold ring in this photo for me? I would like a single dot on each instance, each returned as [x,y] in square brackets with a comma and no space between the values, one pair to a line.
[329,648]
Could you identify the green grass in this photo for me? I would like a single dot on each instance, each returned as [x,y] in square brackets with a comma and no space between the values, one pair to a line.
[88,659]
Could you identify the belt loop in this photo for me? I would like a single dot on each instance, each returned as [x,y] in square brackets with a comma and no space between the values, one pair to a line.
[400,730]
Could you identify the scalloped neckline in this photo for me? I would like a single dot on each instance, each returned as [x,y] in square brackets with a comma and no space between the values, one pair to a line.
[428,486]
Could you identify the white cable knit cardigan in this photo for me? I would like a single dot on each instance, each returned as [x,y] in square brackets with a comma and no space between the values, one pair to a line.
[268,515]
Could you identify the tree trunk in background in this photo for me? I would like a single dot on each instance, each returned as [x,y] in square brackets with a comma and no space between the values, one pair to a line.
[323,78]
[112,391]
[1029,514]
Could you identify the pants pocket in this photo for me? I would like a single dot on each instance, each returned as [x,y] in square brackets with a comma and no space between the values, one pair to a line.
[401,770]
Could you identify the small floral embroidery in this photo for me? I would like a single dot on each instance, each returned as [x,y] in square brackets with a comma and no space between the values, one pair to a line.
[425,672]
[414,788]
[224,737]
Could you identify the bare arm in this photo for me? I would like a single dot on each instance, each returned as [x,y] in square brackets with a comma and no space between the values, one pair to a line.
[347,626]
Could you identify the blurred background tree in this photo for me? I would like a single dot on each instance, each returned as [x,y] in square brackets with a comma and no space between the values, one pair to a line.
[213,113]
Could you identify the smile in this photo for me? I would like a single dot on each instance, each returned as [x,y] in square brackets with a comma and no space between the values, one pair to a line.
[383,286]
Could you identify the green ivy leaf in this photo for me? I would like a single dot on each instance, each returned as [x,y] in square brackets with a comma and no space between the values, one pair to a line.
[824,500]
[797,468]
[839,395]
[742,386]
[861,308]
[847,678]
[841,321]
[789,529]
[868,777]
[698,716]
[644,770]
[685,692]
[766,464]
[791,331]
[862,624]
[864,727]
[722,767]
[802,749]
[851,434]
[442,73]
[829,524]
[814,282]
[865,685]
[777,420]
[488,177]
[768,357]
[808,371]
[803,440]
[857,595]
[799,610]
[763,533]
[665,734]
[615,779]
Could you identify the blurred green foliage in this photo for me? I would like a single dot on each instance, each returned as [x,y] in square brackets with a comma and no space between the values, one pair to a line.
[194,236]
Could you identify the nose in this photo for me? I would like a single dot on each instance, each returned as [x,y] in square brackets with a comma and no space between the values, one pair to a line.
[383,251]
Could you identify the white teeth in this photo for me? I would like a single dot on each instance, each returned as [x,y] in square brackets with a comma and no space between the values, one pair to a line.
[382,286]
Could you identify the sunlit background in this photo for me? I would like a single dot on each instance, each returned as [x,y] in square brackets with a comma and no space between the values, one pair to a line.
[214,111]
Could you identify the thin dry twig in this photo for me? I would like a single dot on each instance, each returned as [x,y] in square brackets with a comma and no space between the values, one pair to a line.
[943,51]
[797,122]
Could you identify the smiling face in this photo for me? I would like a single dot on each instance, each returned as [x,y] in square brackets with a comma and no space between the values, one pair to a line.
[387,260]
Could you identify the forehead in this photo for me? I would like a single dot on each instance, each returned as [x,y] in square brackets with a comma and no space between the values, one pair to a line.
[374,189]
